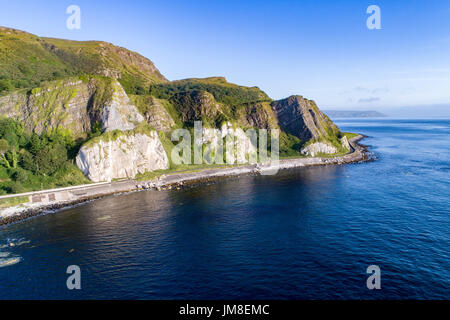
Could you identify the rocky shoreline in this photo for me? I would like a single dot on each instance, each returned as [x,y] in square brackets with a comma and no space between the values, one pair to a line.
[358,153]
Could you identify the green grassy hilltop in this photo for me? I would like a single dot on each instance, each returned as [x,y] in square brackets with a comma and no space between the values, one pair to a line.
[27,60]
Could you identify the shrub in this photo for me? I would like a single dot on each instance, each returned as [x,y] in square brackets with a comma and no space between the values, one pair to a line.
[17,187]
[5,85]
[20,175]
[32,162]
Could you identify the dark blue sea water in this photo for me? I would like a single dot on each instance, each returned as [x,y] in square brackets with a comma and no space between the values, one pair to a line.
[304,234]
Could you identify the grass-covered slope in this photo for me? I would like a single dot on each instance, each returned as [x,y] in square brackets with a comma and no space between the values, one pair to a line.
[223,91]
[26,60]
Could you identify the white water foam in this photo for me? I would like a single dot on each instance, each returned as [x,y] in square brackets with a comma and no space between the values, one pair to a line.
[9,262]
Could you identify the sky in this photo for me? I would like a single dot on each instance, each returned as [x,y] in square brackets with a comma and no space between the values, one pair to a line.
[322,50]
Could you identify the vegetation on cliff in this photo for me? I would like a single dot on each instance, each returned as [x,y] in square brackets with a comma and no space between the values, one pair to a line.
[32,162]
[223,91]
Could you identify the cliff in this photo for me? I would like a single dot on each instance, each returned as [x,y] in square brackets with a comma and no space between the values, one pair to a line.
[73,104]
[155,112]
[302,118]
[120,110]
[122,155]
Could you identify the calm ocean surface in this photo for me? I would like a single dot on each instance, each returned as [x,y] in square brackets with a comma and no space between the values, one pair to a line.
[304,234]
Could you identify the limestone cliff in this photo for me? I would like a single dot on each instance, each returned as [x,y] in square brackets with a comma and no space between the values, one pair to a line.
[73,104]
[318,148]
[302,118]
[118,113]
[197,105]
[154,111]
[56,104]
[236,146]
[122,155]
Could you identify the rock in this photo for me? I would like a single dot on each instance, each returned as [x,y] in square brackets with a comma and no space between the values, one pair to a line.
[345,143]
[73,104]
[125,156]
[302,118]
[242,145]
[257,115]
[196,105]
[119,113]
[57,104]
[319,147]
[154,112]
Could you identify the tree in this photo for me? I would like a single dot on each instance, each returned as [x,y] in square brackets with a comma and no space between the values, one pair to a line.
[36,144]
[27,162]
[51,158]
[5,85]
[17,187]
[13,157]
[4,147]
[20,175]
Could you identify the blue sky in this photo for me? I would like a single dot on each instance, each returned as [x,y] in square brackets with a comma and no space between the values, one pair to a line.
[319,49]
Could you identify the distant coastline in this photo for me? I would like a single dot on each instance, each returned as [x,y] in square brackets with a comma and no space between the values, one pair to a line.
[334,114]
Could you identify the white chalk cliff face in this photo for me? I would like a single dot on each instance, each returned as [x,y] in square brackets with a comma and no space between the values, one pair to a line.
[238,151]
[127,154]
[345,143]
[120,113]
[124,157]
[319,147]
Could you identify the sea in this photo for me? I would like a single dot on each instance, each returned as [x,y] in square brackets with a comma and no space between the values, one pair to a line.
[306,233]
